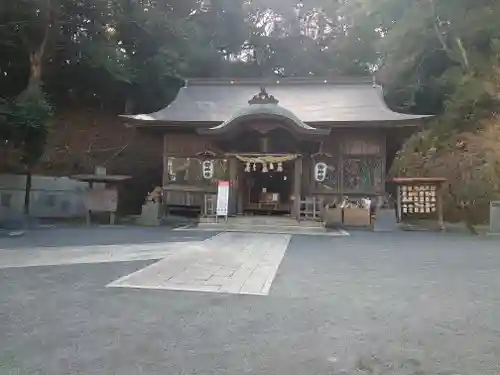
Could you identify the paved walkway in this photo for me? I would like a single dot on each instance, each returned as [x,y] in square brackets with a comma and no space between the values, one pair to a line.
[60,246]
[237,263]
[53,256]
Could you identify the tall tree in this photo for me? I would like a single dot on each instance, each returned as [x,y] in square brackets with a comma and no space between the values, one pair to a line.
[30,111]
[443,58]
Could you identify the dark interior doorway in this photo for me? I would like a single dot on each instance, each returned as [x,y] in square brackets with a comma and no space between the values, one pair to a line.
[268,192]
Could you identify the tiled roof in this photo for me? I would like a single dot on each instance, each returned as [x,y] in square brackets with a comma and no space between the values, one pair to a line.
[310,100]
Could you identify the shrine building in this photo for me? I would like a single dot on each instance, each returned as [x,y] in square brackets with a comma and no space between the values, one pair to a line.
[279,142]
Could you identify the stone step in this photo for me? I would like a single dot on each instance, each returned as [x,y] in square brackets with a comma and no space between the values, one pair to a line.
[264,221]
[280,229]
[255,228]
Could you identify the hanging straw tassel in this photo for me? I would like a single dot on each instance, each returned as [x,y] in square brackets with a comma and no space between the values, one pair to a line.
[264,168]
[280,167]
[271,166]
[247,167]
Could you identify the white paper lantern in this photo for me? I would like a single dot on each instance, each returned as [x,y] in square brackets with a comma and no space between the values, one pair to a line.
[208,169]
[320,172]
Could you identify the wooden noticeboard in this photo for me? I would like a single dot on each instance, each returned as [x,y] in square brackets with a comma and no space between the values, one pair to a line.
[420,198]
[101,200]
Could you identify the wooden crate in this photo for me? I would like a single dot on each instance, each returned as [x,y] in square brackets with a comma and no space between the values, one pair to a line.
[357,217]
[332,217]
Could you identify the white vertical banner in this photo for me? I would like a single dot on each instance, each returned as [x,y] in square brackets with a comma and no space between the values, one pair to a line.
[223,198]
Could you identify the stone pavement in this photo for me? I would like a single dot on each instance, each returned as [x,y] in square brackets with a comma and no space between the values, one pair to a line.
[53,256]
[60,246]
[236,263]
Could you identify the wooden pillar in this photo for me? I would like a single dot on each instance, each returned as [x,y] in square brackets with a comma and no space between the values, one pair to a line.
[89,213]
[233,192]
[240,194]
[440,209]
[165,178]
[341,172]
[241,200]
[307,173]
[399,214]
[297,179]
[383,192]
[112,214]
[165,162]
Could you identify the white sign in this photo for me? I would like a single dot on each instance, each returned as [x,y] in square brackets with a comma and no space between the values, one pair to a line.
[223,198]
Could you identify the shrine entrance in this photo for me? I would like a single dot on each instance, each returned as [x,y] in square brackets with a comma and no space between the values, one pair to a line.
[266,183]
[267,188]
[264,144]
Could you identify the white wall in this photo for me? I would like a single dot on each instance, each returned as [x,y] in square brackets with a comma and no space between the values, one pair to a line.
[51,197]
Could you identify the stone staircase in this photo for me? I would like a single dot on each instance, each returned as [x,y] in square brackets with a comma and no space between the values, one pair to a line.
[265,224]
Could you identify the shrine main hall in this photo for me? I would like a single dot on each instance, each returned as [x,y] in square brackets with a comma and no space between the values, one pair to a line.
[278,141]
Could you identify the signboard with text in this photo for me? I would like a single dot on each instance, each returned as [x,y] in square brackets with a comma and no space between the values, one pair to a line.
[223,198]
[419,199]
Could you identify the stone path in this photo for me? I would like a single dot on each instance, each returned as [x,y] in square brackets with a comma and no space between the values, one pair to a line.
[52,256]
[237,263]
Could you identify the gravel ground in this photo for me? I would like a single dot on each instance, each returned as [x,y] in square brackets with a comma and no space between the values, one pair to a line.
[400,303]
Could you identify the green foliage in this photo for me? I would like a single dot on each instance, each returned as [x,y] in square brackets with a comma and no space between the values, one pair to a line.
[469,161]
[27,121]
[438,56]
[442,58]
[109,52]
[433,57]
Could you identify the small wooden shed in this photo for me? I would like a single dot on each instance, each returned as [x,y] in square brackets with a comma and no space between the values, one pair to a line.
[102,198]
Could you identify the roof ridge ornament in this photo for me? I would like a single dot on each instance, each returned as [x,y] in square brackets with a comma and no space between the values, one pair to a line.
[263,97]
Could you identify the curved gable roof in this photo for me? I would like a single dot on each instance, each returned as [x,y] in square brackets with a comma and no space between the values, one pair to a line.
[310,100]
[267,111]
